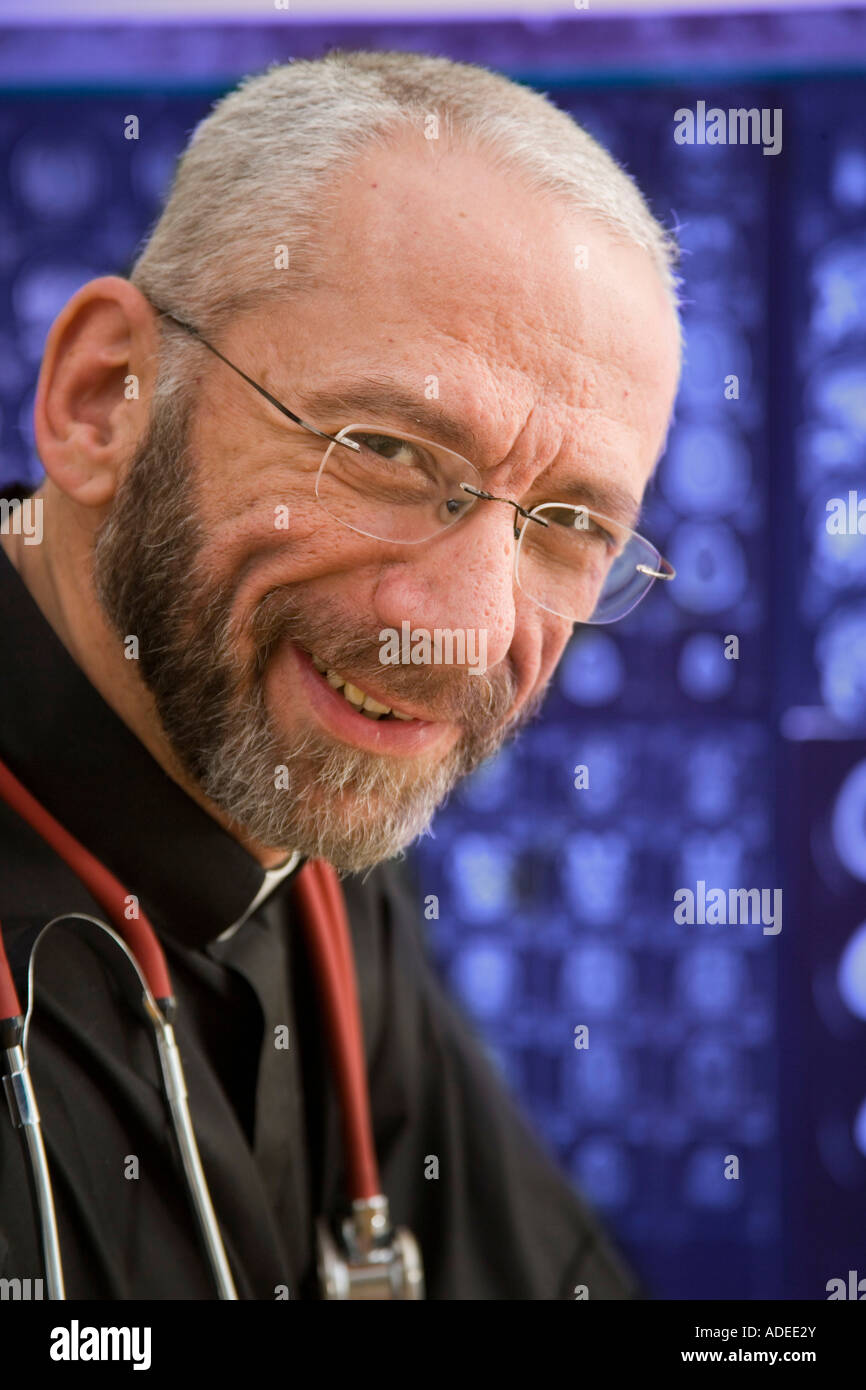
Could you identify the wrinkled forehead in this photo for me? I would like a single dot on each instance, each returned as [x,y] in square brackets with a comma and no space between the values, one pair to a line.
[424,245]
[529,323]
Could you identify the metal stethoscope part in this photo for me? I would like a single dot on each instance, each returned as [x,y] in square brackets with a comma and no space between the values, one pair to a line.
[365,1258]
[25,1115]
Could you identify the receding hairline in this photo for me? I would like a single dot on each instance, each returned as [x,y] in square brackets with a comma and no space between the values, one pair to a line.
[277,139]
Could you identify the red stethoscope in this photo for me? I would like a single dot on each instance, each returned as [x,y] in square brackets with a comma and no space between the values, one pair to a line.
[361,1257]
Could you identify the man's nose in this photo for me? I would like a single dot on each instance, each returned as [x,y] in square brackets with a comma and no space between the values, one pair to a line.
[463,579]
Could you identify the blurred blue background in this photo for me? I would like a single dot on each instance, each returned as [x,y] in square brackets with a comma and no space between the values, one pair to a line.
[556,904]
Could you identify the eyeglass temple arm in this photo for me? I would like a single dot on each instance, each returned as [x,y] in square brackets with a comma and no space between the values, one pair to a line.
[657,574]
[284,409]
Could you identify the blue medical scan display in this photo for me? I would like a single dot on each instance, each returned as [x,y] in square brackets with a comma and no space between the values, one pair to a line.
[555,903]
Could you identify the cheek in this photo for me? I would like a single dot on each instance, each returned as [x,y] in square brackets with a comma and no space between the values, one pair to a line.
[539,642]
[270,544]
[298,558]
[254,484]
[555,641]
[265,520]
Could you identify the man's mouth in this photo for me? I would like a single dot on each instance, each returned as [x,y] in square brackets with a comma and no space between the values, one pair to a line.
[362,718]
[358,698]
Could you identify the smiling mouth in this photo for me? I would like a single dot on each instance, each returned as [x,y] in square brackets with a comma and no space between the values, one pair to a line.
[361,702]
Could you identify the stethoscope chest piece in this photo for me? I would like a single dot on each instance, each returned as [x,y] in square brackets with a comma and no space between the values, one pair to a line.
[368,1259]
[359,1257]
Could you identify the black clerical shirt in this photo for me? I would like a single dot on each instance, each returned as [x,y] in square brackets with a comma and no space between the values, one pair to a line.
[499,1221]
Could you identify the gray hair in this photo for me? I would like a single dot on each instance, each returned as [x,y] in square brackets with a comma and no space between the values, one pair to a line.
[257,172]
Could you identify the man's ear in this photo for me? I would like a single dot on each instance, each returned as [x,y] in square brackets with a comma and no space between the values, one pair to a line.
[94,386]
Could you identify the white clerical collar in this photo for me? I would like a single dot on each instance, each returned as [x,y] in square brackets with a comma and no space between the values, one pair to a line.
[272,878]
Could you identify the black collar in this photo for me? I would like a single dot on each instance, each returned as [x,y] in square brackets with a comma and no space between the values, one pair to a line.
[79,759]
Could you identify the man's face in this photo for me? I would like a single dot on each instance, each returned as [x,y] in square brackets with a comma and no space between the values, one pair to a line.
[434,269]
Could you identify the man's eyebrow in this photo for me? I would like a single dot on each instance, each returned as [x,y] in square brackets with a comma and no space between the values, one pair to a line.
[376,401]
[608,499]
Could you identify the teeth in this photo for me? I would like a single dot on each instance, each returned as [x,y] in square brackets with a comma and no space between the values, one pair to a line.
[353,694]
[374,705]
[359,699]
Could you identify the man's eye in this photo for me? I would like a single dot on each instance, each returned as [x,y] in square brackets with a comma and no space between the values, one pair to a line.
[387,458]
[390,447]
[579,520]
[601,533]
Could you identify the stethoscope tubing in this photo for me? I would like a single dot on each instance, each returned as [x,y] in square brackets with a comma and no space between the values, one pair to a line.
[101,884]
[176,1093]
[328,935]
[174,1089]
[25,1116]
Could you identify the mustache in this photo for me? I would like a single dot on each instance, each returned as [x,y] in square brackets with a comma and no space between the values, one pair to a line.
[448,693]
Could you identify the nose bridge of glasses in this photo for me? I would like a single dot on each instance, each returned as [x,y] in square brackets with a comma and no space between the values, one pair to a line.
[491,497]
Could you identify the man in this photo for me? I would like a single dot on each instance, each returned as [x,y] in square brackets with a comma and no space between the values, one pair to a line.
[426,251]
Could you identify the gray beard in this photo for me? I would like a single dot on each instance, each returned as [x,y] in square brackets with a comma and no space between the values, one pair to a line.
[316,795]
